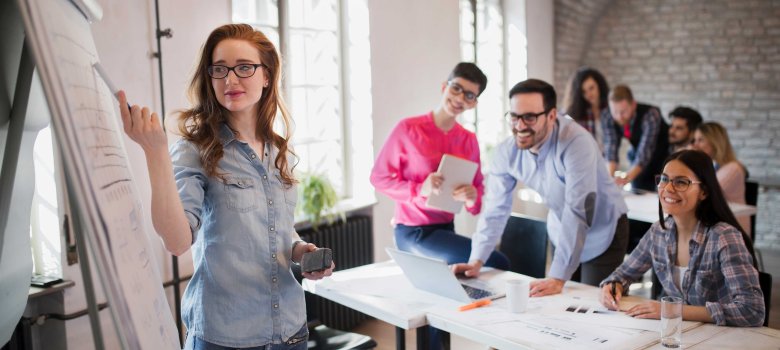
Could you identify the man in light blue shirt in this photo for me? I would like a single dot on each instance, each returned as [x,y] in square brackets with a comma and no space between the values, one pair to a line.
[561,161]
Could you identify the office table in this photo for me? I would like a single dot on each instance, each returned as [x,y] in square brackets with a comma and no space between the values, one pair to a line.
[380,290]
[644,207]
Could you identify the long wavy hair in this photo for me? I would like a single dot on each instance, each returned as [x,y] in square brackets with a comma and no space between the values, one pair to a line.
[201,124]
[717,136]
[576,105]
[713,208]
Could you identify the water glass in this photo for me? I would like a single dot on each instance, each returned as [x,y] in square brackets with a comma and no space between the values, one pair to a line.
[671,322]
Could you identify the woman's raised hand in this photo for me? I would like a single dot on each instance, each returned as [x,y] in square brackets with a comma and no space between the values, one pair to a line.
[142,126]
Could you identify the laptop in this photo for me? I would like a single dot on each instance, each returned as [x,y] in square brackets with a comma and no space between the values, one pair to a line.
[433,275]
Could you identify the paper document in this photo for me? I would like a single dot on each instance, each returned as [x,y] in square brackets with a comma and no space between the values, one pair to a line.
[456,172]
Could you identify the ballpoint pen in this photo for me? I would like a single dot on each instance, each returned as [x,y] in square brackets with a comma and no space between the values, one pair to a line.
[614,294]
[474,305]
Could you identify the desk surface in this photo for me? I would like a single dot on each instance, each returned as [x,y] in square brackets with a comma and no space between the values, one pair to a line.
[380,290]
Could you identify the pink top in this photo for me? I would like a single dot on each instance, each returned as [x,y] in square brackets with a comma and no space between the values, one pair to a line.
[412,151]
[731,177]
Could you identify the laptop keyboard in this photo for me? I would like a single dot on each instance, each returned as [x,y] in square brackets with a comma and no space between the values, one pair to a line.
[476,293]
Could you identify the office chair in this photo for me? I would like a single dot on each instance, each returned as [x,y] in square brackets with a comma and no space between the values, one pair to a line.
[765,281]
[322,337]
[525,244]
[751,198]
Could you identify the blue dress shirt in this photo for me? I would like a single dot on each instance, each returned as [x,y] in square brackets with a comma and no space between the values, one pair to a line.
[572,177]
[243,293]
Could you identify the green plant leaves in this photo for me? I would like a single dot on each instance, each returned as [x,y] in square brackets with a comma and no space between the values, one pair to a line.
[317,198]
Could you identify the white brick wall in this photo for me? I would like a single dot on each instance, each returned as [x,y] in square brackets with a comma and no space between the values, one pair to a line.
[721,57]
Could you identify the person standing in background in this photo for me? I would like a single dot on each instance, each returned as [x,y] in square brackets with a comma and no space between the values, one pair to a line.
[643,126]
[586,99]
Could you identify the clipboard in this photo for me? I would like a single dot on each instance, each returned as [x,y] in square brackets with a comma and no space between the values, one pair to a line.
[456,171]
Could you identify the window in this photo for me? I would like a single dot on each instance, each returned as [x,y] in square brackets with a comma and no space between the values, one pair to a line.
[44,215]
[329,104]
[499,49]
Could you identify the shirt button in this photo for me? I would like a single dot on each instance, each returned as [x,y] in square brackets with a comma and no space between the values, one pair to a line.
[253,156]
[274,279]
[276,306]
[270,201]
[265,177]
[273,256]
[272,228]
[241,183]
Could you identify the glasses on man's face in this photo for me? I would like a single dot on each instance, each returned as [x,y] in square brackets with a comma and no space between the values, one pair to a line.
[457,90]
[246,70]
[528,118]
[680,184]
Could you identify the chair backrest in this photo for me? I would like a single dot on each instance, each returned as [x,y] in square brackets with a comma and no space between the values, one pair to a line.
[525,244]
[765,281]
[751,198]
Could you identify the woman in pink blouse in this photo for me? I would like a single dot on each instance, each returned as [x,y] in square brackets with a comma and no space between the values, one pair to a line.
[712,139]
[405,171]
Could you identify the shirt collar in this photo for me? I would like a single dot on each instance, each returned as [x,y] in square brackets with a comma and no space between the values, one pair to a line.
[547,145]
[226,135]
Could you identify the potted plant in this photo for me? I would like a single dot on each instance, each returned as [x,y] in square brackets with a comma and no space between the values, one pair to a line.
[317,199]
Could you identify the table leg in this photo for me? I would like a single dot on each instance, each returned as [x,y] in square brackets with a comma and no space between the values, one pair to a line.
[445,339]
[422,337]
[400,338]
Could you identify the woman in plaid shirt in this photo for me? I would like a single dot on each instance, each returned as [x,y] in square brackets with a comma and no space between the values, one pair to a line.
[698,252]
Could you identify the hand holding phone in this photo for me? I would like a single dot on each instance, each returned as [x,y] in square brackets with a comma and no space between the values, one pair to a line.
[317,260]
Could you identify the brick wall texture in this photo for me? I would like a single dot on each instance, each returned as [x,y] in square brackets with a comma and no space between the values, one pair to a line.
[721,57]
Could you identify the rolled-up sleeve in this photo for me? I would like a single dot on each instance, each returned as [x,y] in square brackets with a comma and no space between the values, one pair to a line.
[640,260]
[191,182]
[497,204]
[651,125]
[744,304]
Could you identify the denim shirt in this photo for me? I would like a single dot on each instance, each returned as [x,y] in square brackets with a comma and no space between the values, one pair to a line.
[720,274]
[242,293]
[571,175]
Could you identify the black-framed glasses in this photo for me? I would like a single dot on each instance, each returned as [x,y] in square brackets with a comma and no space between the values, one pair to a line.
[244,70]
[528,118]
[457,90]
[680,184]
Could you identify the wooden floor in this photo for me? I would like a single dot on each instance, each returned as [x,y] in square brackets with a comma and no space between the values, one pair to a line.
[384,334]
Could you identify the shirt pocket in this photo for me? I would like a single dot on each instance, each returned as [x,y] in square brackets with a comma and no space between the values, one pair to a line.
[242,194]
[705,284]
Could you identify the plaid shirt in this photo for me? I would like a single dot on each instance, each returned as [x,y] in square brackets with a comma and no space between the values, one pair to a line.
[643,152]
[720,273]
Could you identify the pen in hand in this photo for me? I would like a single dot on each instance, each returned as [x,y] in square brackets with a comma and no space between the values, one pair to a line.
[614,295]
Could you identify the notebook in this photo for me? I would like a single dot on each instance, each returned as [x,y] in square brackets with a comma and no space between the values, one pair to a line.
[434,276]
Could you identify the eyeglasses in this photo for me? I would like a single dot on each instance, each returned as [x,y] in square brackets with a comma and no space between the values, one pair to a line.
[528,118]
[680,184]
[246,70]
[457,90]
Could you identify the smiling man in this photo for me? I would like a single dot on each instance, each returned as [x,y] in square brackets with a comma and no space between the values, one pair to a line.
[561,161]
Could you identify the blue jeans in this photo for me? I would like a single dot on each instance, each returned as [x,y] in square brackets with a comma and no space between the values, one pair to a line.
[441,242]
[299,341]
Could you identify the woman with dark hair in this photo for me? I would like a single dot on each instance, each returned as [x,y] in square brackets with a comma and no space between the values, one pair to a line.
[698,252]
[586,97]
[227,190]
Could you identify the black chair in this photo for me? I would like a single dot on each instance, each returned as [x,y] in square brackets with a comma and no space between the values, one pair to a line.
[322,337]
[765,281]
[751,198]
[525,244]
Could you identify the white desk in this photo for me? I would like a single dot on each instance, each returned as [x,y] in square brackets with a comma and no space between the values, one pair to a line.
[381,291]
[641,207]
[644,207]
[709,336]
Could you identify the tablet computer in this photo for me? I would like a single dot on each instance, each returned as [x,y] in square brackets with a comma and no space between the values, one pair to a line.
[456,172]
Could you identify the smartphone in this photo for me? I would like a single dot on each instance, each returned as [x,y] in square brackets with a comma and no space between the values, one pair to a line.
[317,260]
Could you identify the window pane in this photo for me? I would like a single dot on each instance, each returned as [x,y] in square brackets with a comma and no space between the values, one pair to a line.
[256,12]
[314,14]
[44,220]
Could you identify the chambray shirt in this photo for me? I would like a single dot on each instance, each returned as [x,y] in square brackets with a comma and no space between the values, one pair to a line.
[243,293]
[572,177]
[720,273]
